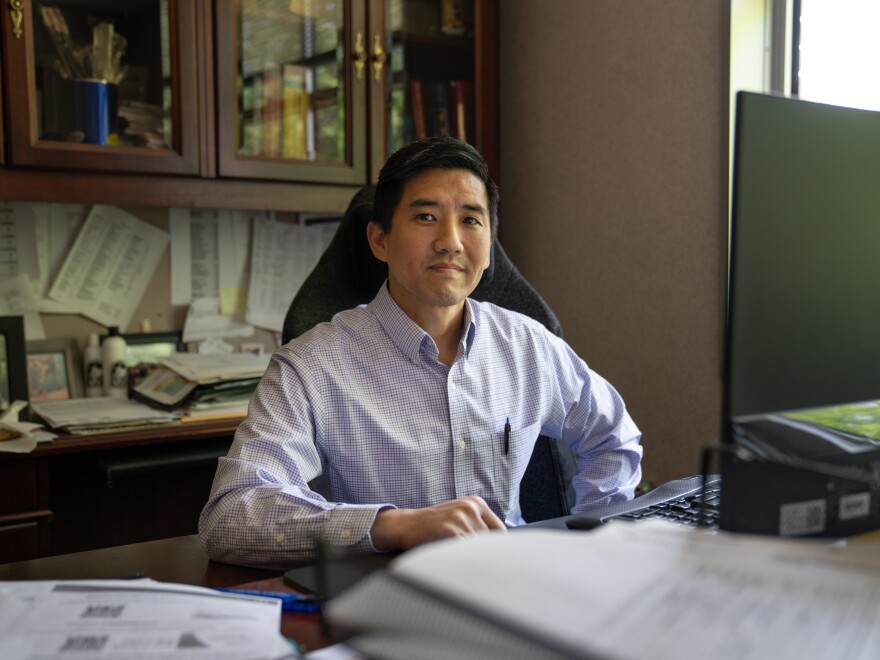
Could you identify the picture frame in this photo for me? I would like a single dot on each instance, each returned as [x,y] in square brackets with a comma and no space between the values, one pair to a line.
[143,351]
[13,363]
[54,370]
[148,347]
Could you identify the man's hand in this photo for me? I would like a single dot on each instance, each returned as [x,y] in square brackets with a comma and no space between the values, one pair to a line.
[402,529]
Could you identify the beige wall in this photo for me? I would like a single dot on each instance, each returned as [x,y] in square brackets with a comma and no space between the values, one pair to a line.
[614,128]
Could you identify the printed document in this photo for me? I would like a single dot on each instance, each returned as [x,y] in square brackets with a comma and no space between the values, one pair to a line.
[56,227]
[18,244]
[109,266]
[283,256]
[651,589]
[209,255]
[135,619]
[17,299]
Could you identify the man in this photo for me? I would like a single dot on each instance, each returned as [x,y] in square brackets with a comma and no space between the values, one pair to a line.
[413,418]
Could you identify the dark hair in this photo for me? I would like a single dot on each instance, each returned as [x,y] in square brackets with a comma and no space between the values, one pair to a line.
[445,153]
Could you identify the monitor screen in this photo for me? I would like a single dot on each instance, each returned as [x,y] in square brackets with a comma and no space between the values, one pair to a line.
[804,305]
[802,372]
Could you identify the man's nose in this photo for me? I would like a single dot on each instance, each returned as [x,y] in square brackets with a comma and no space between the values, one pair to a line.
[448,238]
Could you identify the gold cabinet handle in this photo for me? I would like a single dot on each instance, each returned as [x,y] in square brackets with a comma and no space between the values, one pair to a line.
[379,56]
[16,14]
[360,56]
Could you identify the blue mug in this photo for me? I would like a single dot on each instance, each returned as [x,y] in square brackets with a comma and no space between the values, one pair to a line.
[95,111]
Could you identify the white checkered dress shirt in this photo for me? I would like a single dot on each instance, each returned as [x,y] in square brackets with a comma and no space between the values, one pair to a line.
[358,415]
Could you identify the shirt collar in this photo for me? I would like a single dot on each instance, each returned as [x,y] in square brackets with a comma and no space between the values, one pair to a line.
[406,334]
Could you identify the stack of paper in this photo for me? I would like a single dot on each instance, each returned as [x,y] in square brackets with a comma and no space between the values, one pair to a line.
[627,590]
[201,368]
[135,619]
[203,387]
[100,414]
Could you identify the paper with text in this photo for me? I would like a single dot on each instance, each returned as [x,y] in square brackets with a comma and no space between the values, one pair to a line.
[283,255]
[109,266]
[655,589]
[17,299]
[134,619]
[18,243]
[56,227]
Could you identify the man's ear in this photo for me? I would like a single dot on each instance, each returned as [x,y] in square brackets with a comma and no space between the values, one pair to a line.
[376,239]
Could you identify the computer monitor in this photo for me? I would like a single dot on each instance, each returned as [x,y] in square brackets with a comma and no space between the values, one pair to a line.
[803,326]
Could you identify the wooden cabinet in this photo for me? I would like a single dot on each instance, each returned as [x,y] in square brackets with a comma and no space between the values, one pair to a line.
[62,113]
[85,492]
[24,510]
[253,103]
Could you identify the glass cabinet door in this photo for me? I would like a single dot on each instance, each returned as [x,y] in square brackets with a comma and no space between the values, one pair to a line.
[291,89]
[102,85]
[441,77]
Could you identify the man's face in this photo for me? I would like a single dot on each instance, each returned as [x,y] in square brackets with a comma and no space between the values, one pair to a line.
[440,241]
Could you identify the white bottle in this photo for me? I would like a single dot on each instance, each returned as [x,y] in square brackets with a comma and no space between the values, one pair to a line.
[93,365]
[115,371]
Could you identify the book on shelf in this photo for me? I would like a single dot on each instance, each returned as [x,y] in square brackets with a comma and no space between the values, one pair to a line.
[272,110]
[462,109]
[298,123]
[442,107]
[252,116]
[436,103]
[417,103]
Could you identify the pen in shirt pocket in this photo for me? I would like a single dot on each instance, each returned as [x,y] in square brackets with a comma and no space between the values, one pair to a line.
[507,435]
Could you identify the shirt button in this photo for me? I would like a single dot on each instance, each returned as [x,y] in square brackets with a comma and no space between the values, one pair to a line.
[461,444]
[279,538]
[345,533]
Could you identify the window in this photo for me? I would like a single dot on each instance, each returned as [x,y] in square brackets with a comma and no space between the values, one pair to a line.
[835,52]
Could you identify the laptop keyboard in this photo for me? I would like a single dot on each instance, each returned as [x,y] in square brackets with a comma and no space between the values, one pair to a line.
[686,509]
[679,500]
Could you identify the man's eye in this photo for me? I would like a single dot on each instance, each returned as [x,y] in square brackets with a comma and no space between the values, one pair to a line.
[472,221]
[425,217]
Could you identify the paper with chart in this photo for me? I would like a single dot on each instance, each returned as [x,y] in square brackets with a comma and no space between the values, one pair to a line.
[283,255]
[109,266]
[135,619]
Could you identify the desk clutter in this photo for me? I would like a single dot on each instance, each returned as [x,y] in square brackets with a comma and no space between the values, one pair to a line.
[184,387]
[626,590]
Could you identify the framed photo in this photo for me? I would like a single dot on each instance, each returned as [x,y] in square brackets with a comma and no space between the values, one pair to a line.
[13,365]
[147,348]
[54,370]
[142,352]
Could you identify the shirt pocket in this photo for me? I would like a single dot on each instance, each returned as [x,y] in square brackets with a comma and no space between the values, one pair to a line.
[511,457]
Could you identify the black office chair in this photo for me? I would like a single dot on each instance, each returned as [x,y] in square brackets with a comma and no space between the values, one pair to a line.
[348,275]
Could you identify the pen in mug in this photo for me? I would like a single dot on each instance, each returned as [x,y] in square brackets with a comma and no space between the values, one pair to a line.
[507,436]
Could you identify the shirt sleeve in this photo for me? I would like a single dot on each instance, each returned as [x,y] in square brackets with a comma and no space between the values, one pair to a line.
[261,511]
[601,434]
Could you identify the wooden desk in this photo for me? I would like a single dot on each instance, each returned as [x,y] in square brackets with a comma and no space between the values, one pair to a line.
[179,559]
[85,492]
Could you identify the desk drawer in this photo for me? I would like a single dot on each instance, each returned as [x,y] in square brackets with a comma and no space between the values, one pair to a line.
[19,486]
[19,542]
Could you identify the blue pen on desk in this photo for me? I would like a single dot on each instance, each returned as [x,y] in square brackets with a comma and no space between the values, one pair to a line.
[289,602]
[507,436]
